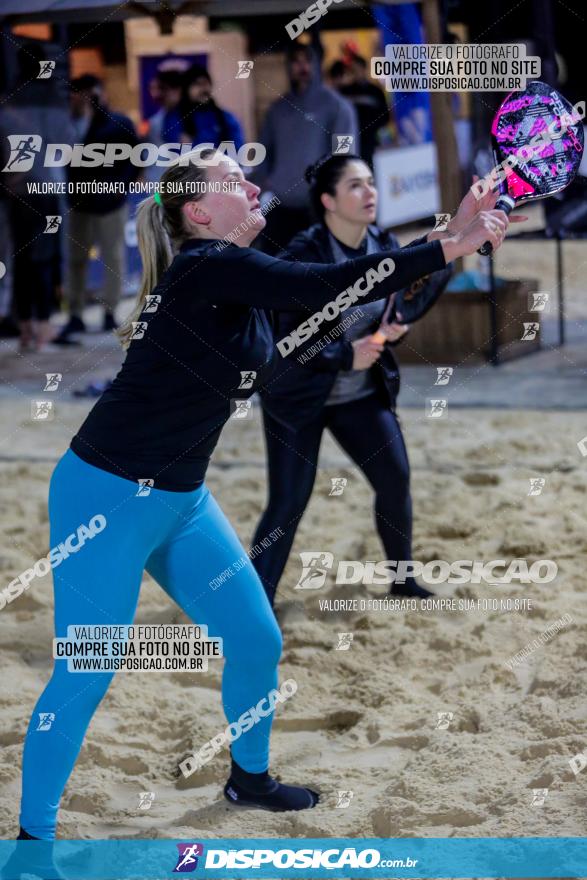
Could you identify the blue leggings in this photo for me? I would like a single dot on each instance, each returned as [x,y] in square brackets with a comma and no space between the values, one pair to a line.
[184,541]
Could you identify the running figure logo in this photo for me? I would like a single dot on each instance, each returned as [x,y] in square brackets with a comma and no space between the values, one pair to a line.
[538,301]
[441,221]
[139,328]
[338,485]
[46,719]
[47,68]
[438,409]
[537,484]
[444,719]
[343,799]
[152,302]
[53,380]
[244,69]
[241,409]
[539,795]
[444,374]
[342,143]
[23,149]
[344,641]
[530,330]
[42,410]
[187,860]
[315,565]
[53,223]
[247,379]
[146,798]
[145,487]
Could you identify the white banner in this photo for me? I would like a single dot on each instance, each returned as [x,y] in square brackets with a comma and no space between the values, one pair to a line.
[407,181]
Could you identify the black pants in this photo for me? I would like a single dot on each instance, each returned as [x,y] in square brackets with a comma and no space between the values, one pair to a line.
[34,288]
[36,265]
[370,434]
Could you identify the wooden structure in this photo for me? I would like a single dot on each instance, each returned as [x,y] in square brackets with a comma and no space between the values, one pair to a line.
[462,329]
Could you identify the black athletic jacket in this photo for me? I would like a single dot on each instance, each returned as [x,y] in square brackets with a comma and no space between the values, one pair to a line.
[296,392]
[163,414]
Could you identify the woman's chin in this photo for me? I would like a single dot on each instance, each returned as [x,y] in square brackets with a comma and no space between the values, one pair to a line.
[257,220]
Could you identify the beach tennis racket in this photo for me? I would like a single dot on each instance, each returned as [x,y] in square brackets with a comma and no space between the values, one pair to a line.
[537,139]
[413,302]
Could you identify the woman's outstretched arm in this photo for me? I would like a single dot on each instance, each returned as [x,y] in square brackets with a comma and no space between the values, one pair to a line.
[244,276]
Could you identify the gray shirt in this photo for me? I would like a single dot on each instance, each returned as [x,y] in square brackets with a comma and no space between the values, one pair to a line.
[298,129]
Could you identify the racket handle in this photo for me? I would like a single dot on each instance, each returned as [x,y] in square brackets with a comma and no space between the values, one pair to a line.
[504,203]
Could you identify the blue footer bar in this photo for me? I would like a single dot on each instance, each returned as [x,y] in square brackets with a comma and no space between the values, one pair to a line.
[523,857]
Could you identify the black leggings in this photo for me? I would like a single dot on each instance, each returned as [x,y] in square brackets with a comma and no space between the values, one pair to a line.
[370,434]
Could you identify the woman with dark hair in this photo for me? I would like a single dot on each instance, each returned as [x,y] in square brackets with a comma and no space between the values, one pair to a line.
[138,463]
[346,381]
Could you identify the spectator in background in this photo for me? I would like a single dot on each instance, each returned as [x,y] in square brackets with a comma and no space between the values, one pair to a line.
[165,125]
[339,75]
[165,121]
[370,103]
[34,107]
[299,128]
[202,120]
[96,218]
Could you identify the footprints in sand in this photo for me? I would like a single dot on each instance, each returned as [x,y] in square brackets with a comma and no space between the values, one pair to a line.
[414,742]
[79,803]
[110,756]
[13,737]
[402,816]
[481,478]
[339,722]
[206,775]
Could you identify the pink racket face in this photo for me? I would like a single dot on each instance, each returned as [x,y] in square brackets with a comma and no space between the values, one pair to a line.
[541,136]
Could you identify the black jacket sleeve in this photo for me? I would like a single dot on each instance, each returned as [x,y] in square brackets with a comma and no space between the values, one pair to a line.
[338,354]
[242,276]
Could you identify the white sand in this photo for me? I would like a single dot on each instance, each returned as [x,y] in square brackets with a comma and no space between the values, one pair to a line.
[362,720]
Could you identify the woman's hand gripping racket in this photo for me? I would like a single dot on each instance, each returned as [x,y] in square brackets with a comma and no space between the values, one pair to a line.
[537,139]
[389,331]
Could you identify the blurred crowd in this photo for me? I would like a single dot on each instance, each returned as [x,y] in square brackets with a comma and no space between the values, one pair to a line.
[52,235]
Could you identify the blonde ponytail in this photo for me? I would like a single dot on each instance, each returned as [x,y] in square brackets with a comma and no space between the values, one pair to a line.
[160,225]
[156,256]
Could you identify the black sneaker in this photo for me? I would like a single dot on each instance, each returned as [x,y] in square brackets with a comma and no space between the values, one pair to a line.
[109,322]
[74,326]
[411,589]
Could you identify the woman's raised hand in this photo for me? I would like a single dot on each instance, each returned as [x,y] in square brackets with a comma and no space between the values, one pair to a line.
[485,226]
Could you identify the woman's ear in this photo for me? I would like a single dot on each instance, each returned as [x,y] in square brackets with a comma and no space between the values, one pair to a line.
[328,201]
[194,212]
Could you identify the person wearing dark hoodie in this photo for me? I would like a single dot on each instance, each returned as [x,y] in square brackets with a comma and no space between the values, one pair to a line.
[205,122]
[299,128]
[346,378]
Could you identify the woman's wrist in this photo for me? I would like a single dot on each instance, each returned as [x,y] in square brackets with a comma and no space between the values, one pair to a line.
[451,248]
[452,228]
[438,236]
